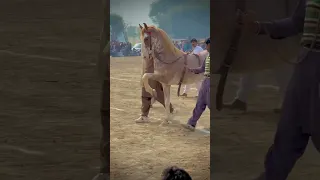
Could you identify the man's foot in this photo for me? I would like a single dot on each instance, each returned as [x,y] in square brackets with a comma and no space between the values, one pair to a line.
[237,105]
[184,94]
[142,119]
[189,127]
[262,176]
[101,176]
[277,110]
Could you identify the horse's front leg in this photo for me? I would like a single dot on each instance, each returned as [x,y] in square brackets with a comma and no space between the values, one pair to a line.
[146,85]
[166,91]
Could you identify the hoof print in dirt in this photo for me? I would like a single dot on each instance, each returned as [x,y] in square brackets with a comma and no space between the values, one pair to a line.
[165,123]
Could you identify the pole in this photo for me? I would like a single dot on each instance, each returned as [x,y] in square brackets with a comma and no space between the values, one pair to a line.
[103,67]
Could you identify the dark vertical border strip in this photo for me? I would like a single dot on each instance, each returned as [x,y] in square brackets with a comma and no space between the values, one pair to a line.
[212,93]
[104,72]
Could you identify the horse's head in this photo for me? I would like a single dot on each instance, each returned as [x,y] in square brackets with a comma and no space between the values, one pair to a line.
[155,40]
[149,37]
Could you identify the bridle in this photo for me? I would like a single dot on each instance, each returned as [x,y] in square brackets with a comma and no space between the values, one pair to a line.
[230,55]
[156,54]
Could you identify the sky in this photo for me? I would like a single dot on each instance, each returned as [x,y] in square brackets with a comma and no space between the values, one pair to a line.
[134,12]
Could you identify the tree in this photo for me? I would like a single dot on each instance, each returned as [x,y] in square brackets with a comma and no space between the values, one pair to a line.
[117,26]
[182,18]
[132,31]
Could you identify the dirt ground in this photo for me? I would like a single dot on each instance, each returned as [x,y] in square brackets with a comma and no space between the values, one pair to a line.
[240,141]
[147,149]
[49,108]
[49,118]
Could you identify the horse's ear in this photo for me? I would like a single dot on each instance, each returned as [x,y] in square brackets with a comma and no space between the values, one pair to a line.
[145,26]
[140,26]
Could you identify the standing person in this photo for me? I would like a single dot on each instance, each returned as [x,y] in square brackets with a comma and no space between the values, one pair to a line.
[182,45]
[300,116]
[203,100]
[175,173]
[146,98]
[176,44]
[187,47]
[196,49]
[129,47]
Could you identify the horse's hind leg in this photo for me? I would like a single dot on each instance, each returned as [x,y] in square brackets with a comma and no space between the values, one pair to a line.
[166,91]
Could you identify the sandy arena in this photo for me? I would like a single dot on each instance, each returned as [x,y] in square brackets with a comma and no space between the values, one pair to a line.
[49,101]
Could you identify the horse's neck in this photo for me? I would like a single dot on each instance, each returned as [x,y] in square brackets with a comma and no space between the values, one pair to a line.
[168,55]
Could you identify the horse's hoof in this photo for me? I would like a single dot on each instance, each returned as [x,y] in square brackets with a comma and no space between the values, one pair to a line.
[142,119]
[165,123]
[174,111]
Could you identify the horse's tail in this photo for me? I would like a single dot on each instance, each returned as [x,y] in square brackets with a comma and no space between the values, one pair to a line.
[179,87]
[183,73]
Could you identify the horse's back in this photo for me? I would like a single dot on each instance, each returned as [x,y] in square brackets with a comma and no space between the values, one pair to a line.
[253,52]
[196,60]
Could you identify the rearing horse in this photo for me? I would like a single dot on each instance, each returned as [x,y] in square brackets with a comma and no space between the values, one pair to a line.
[170,64]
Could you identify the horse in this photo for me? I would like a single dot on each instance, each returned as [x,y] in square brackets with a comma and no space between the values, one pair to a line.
[237,50]
[170,64]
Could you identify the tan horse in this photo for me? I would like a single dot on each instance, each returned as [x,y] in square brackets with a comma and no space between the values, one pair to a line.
[170,64]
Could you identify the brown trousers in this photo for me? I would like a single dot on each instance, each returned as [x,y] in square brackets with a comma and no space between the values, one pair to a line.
[146,97]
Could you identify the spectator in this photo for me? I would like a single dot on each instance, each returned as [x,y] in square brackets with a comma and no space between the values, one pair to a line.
[203,100]
[175,173]
[187,47]
[196,49]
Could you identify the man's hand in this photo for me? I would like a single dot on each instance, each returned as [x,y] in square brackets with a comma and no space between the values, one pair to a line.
[248,21]
[193,71]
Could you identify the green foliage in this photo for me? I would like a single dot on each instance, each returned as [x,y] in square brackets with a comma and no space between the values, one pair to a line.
[132,31]
[116,24]
[182,18]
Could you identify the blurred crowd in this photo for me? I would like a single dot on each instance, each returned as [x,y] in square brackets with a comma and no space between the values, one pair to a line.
[186,45]
[118,49]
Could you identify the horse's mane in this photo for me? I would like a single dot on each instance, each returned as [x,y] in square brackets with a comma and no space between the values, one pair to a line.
[167,42]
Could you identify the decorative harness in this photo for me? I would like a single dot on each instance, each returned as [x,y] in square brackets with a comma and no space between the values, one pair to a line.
[230,55]
[185,63]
